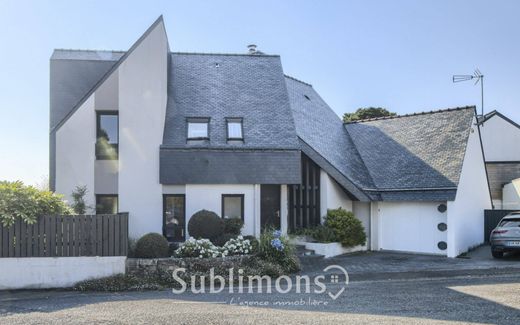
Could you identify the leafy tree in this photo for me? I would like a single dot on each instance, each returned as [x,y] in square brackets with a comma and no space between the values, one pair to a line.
[366,113]
[78,196]
[18,201]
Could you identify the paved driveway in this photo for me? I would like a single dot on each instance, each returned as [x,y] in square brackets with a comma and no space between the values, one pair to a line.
[370,265]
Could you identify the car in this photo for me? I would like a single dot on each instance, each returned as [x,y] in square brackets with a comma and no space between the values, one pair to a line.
[506,236]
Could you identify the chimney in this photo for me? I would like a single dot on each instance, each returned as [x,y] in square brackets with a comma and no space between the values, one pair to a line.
[252,48]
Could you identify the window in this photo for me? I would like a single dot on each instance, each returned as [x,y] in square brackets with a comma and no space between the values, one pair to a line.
[198,128]
[174,217]
[106,204]
[234,129]
[107,144]
[233,206]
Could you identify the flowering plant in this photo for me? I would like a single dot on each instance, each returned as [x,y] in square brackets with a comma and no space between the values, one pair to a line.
[199,248]
[277,244]
[237,246]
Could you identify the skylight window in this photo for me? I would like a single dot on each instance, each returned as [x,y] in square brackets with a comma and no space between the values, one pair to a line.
[234,129]
[198,129]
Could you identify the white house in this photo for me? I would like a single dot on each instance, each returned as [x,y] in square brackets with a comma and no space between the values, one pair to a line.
[163,134]
[500,139]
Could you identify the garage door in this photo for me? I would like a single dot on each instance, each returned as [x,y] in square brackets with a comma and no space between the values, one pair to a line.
[413,227]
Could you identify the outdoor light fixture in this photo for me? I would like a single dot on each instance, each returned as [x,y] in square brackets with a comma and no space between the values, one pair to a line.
[479,77]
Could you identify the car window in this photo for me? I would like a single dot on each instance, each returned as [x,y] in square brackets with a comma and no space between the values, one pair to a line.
[510,223]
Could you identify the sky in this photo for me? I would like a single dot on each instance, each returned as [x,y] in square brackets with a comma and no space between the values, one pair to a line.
[400,55]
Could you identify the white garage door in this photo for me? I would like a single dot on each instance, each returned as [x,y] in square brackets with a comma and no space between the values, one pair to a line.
[413,227]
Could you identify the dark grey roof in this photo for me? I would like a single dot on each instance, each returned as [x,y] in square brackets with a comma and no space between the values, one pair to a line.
[322,131]
[202,166]
[70,80]
[422,151]
[219,86]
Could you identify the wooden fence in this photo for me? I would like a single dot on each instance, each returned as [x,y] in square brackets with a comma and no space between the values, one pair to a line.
[59,236]
[491,220]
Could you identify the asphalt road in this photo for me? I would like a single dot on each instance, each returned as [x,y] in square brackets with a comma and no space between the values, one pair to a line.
[483,298]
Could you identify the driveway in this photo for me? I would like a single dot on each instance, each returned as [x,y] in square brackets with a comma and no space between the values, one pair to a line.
[383,264]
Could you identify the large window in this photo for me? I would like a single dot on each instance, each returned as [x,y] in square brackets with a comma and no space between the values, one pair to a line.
[107,144]
[106,204]
[233,206]
[198,129]
[234,129]
[174,217]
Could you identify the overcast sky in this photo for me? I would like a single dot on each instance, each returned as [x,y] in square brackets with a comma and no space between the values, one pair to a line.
[397,54]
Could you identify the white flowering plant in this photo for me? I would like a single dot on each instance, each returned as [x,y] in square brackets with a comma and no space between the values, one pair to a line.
[237,246]
[200,248]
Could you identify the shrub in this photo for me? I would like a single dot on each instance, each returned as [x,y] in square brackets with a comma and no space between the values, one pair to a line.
[205,224]
[198,248]
[233,226]
[258,266]
[276,248]
[237,246]
[223,239]
[78,200]
[254,243]
[27,203]
[119,282]
[347,228]
[151,245]
[323,234]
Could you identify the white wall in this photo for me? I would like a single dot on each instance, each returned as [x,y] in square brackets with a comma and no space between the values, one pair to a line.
[332,195]
[142,106]
[411,226]
[500,140]
[74,166]
[511,195]
[56,272]
[362,211]
[466,213]
[209,197]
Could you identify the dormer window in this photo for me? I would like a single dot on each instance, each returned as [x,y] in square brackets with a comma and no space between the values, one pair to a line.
[235,129]
[198,128]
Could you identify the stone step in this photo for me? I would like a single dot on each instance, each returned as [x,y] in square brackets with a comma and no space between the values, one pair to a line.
[301,251]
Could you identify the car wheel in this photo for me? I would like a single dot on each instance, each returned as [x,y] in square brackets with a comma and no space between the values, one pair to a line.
[497,254]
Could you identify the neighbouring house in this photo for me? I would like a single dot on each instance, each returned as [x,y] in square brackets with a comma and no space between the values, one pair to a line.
[501,141]
[163,134]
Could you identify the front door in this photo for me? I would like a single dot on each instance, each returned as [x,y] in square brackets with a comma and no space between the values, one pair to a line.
[174,217]
[270,206]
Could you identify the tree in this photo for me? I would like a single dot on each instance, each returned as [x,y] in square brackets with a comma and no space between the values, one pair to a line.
[78,196]
[18,201]
[366,113]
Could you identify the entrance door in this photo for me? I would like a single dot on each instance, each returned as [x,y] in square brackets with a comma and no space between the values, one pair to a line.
[174,218]
[270,206]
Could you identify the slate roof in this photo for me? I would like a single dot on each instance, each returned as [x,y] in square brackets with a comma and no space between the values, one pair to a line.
[220,86]
[421,152]
[410,157]
[323,136]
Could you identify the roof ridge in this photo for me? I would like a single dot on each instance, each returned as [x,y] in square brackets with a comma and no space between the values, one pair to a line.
[225,54]
[458,108]
[298,80]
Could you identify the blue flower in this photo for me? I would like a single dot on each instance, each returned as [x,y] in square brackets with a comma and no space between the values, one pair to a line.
[277,233]
[277,244]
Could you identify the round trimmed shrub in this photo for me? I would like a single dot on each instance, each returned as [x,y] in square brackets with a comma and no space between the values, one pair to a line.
[347,228]
[152,245]
[205,224]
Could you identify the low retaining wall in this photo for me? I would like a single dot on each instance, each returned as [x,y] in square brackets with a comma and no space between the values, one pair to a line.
[143,266]
[326,249]
[56,272]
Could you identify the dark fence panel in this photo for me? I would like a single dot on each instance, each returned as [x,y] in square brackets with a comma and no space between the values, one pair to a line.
[61,236]
[491,220]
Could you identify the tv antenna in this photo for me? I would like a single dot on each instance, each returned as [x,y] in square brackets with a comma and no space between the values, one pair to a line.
[479,77]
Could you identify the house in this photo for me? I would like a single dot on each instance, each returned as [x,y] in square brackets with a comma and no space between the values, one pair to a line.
[163,134]
[500,138]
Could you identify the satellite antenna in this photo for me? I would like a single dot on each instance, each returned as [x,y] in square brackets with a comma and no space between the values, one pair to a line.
[479,77]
